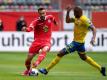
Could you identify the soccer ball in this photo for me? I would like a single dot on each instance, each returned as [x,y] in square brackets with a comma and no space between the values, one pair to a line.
[34,72]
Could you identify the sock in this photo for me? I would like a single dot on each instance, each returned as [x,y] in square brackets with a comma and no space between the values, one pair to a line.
[39,59]
[28,65]
[90,61]
[53,63]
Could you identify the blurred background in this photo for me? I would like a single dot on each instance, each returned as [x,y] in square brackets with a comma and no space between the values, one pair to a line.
[14,14]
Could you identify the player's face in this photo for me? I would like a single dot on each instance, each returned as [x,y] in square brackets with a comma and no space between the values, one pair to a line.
[42,14]
[77,13]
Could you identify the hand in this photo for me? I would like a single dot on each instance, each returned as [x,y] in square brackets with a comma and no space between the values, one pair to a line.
[92,42]
[24,29]
[69,8]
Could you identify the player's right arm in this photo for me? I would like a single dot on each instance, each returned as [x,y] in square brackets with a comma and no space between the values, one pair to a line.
[30,28]
[68,19]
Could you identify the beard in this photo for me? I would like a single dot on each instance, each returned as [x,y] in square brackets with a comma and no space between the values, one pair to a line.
[77,16]
[42,18]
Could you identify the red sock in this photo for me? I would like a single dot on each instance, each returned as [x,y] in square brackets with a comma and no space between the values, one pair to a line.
[40,58]
[28,65]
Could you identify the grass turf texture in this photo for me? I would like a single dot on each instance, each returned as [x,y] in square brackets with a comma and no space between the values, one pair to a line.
[71,67]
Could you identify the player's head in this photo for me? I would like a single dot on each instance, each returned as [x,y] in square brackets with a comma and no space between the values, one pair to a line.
[42,13]
[78,12]
[22,18]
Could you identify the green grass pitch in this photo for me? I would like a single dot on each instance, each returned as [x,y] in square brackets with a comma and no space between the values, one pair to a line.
[71,67]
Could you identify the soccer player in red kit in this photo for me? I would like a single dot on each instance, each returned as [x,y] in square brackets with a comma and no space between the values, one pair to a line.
[42,27]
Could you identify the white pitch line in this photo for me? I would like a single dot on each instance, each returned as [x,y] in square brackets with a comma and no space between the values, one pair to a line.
[69,73]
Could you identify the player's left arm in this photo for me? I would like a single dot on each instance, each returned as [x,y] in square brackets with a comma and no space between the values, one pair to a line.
[93,29]
[54,20]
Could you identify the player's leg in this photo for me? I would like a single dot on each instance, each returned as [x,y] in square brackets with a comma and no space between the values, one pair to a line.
[28,64]
[89,60]
[70,48]
[28,61]
[42,55]
[32,51]
[53,62]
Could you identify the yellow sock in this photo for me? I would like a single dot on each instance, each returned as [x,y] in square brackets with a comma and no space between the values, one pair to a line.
[90,61]
[53,63]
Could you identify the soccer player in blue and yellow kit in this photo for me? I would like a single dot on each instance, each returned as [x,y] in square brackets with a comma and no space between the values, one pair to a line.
[81,27]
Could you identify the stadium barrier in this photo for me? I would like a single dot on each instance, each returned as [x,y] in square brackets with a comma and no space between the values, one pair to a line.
[20,41]
[12,17]
[100,19]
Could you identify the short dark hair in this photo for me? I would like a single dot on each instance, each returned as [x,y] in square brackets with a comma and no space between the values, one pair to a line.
[77,9]
[41,8]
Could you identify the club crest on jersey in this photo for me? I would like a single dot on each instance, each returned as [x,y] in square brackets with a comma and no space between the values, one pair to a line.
[45,28]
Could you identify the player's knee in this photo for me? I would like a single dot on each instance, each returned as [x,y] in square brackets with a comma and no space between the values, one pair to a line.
[82,56]
[61,53]
[46,48]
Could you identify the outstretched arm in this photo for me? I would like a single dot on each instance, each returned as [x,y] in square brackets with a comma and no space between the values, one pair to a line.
[28,29]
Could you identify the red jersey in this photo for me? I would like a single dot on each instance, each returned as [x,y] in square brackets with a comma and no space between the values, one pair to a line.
[42,29]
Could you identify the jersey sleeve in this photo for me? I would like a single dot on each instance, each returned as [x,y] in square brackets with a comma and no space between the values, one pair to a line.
[87,22]
[72,20]
[52,18]
[33,24]
[29,29]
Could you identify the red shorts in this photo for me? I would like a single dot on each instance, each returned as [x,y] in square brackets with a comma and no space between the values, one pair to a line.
[37,45]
